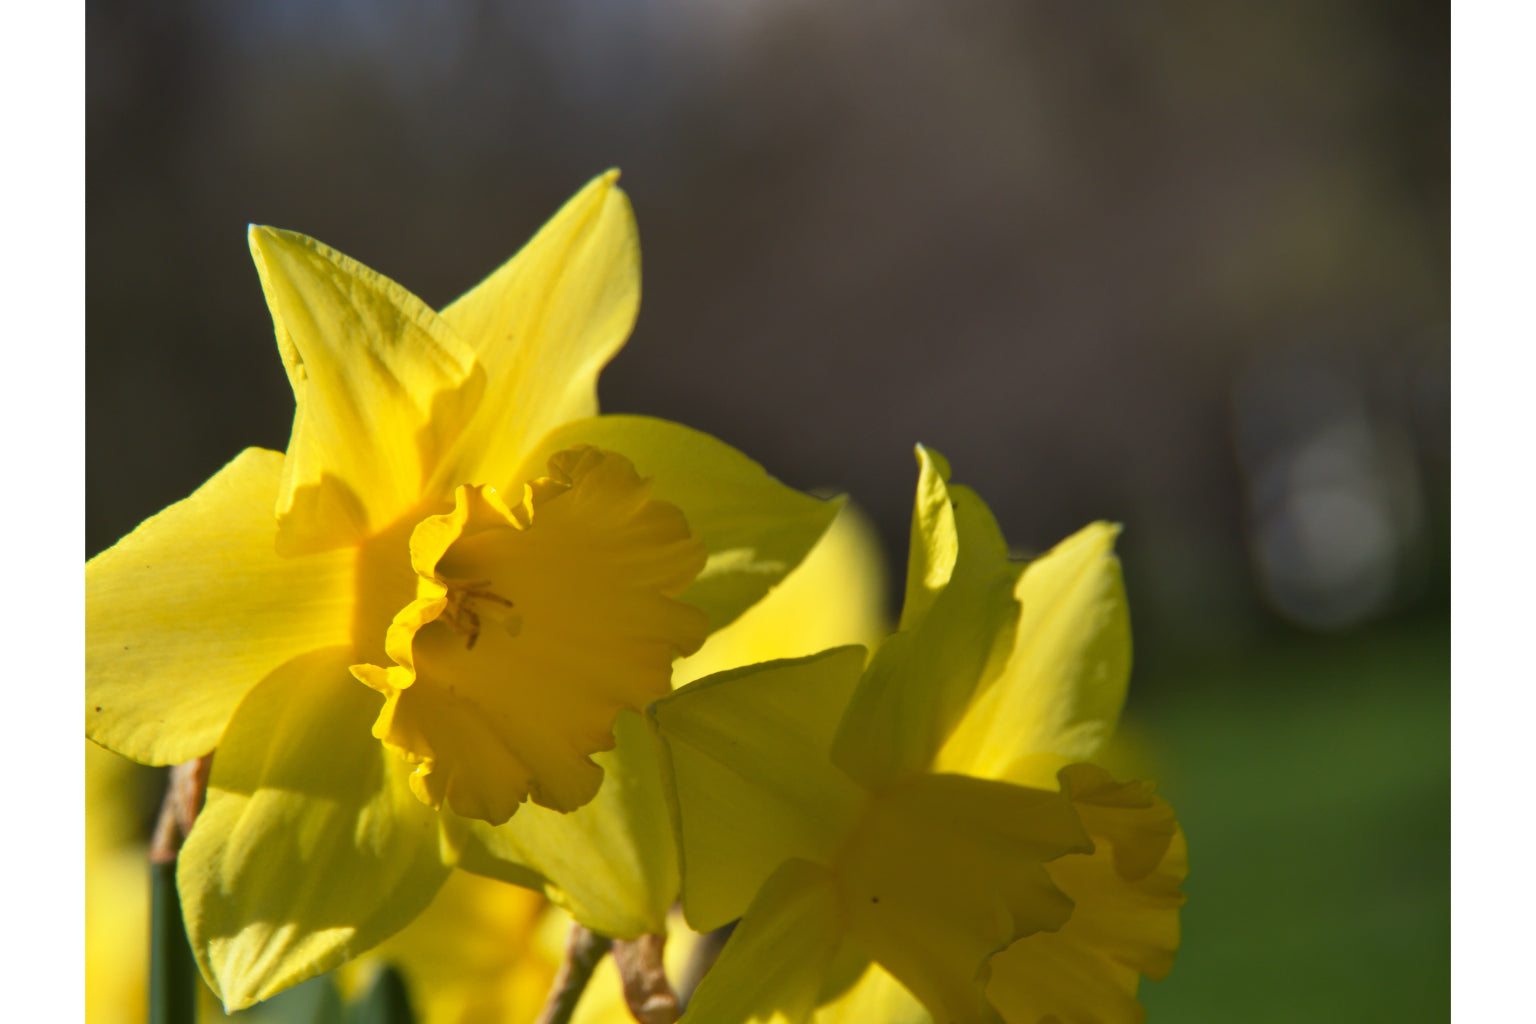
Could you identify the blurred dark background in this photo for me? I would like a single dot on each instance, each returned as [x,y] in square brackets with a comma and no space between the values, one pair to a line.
[1184,266]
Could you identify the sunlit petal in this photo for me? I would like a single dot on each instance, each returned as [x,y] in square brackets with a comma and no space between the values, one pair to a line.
[188,612]
[874,996]
[776,962]
[612,863]
[934,543]
[382,386]
[1065,679]
[543,326]
[747,760]
[836,597]
[755,529]
[921,681]
[311,848]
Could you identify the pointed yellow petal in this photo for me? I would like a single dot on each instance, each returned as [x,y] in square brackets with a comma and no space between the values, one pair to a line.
[383,386]
[755,528]
[776,962]
[188,612]
[544,325]
[1126,919]
[1065,680]
[533,627]
[311,848]
[946,870]
[747,762]
[613,863]
[835,597]
[921,680]
[934,544]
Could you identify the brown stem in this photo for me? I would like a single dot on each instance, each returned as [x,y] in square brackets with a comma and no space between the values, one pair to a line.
[641,967]
[583,952]
[183,799]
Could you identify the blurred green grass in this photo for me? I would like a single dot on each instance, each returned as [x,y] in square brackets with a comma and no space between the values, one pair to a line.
[1313,781]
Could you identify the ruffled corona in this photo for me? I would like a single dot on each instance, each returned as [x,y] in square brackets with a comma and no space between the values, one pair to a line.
[946,870]
[533,625]
[1125,921]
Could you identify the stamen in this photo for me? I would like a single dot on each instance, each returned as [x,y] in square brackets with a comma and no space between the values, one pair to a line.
[463,618]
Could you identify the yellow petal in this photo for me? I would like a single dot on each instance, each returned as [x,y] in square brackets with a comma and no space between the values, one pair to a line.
[1126,920]
[922,679]
[1065,679]
[835,597]
[473,955]
[946,870]
[934,543]
[188,612]
[544,325]
[533,627]
[311,848]
[874,997]
[747,761]
[776,962]
[382,384]
[755,529]
[611,864]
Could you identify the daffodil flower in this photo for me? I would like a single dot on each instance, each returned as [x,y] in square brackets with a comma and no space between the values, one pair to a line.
[453,526]
[924,838]
[483,950]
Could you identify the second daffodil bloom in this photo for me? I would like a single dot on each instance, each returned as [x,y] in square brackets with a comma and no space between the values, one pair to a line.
[433,606]
[925,838]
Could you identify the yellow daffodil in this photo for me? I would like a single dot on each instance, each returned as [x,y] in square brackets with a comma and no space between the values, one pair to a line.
[453,526]
[481,953]
[613,863]
[925,838]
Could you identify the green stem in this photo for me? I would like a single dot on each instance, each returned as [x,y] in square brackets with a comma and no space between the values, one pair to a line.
[172,971]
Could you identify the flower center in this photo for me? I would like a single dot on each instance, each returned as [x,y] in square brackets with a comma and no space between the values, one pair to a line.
[461,614]
[533,625]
